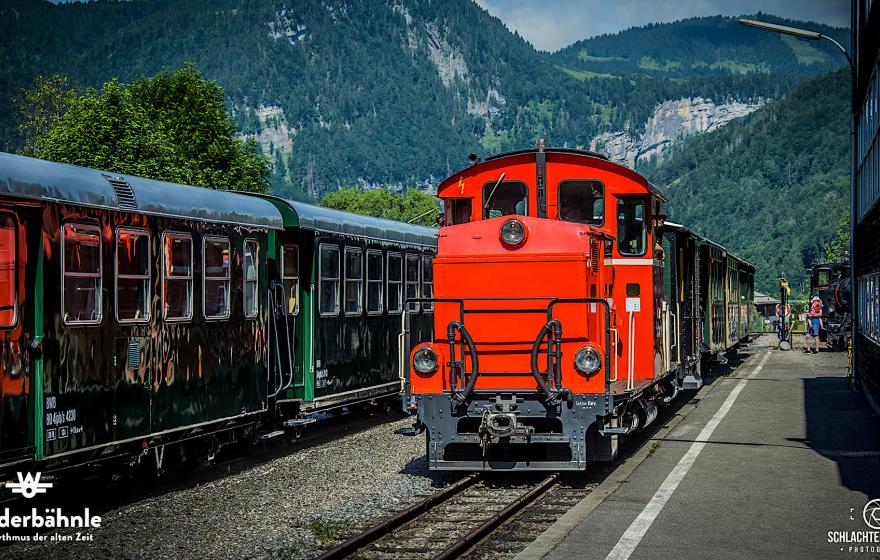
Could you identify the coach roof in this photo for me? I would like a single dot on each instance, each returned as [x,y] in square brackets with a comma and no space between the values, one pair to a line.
[60,182]
[318,218]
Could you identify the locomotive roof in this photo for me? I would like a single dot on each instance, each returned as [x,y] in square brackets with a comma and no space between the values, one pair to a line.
[652,188]
[318,218]
[61,182]
[705,239]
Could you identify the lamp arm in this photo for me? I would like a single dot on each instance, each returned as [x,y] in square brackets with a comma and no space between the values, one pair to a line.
[841,47]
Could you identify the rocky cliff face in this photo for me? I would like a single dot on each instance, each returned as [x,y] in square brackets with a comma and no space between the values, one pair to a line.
[672,120]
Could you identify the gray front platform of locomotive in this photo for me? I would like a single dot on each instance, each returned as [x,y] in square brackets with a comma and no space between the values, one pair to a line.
[437,413]
[795,457]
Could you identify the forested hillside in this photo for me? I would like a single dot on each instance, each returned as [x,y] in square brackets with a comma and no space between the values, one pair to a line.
[771,186]
[341,93]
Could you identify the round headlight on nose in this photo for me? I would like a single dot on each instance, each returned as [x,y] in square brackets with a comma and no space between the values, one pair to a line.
[831,308]
[513,232]
[425,360]
[587,360]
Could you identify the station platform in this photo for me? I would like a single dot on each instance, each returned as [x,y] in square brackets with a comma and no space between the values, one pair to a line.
[773,458]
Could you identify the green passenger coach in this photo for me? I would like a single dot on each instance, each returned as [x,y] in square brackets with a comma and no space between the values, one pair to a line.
[341,283]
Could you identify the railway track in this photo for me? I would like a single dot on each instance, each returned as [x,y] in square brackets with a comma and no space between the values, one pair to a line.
[480,516]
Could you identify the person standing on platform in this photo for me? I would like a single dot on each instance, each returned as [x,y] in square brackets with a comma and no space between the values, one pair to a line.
[814,323]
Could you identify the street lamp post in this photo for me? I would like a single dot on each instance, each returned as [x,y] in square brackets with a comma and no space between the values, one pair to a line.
[815,36]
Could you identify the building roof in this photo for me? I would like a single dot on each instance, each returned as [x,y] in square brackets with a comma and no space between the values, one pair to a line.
[38,179]
[318,218]
[764,299]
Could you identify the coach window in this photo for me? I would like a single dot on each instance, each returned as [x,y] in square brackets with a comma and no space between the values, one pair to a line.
[251,278]
[354,281]
[328,266]
[581,202]
[412,280]
[395,283]
[177,276]
[81,275]
[632,229]
[8,271]
[132,275]
[375,282]
[290,278]
[457,211]
[215,277]
[427,281]
[504,199]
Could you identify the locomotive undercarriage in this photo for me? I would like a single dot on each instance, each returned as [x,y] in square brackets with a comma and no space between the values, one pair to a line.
[508,431]
[513,431]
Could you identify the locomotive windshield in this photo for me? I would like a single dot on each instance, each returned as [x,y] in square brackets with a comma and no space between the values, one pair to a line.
[823,276]
[508,197]
[581,202]
[632,231]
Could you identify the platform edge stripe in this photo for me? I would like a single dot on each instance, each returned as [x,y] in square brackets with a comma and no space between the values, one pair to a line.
[556,533]
[639,527]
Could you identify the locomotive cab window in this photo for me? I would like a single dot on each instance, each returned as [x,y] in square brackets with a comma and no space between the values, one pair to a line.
[8,271]
[375,282]
[505,198]
[354,281]
[823,277]
[395,283]
[457,211]
[132,276]
[215,277]
[582,202]
[290,278]
[177,276]
[251,278]
[81,275]
[328,267]
[632,228]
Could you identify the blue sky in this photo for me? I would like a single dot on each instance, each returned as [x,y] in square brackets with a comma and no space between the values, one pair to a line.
[552,24]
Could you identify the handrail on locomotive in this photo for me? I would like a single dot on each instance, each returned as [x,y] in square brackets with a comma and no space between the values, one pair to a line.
[551,388]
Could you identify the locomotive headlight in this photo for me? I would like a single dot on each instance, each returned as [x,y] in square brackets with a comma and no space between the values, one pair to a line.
[425,360]
[831,308]
[513,232]
[587,360]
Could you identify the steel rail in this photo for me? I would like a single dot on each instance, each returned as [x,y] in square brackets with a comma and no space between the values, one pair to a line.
[386,526]
[475,536]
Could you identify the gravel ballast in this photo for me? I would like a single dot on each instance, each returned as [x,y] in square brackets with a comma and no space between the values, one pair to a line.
[292,506]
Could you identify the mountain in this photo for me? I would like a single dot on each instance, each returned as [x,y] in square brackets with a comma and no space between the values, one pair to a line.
[771,186]
[346,92]
[704,46]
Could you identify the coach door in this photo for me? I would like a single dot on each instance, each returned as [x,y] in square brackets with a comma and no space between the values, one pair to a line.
[285,311]
[20,330]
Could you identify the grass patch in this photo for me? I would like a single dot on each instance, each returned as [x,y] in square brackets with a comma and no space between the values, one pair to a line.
[654,447]
[805,52]
[648,63]
[584,55]
[582,75]
[327,531]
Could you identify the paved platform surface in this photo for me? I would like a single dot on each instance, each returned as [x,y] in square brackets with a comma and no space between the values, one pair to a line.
[763,462]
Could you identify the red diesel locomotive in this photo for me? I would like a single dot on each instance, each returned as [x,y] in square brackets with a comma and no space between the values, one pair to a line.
[552,333]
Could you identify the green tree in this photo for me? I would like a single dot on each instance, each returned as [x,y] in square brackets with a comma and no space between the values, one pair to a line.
[413,206]
[172,127]
[835,248]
